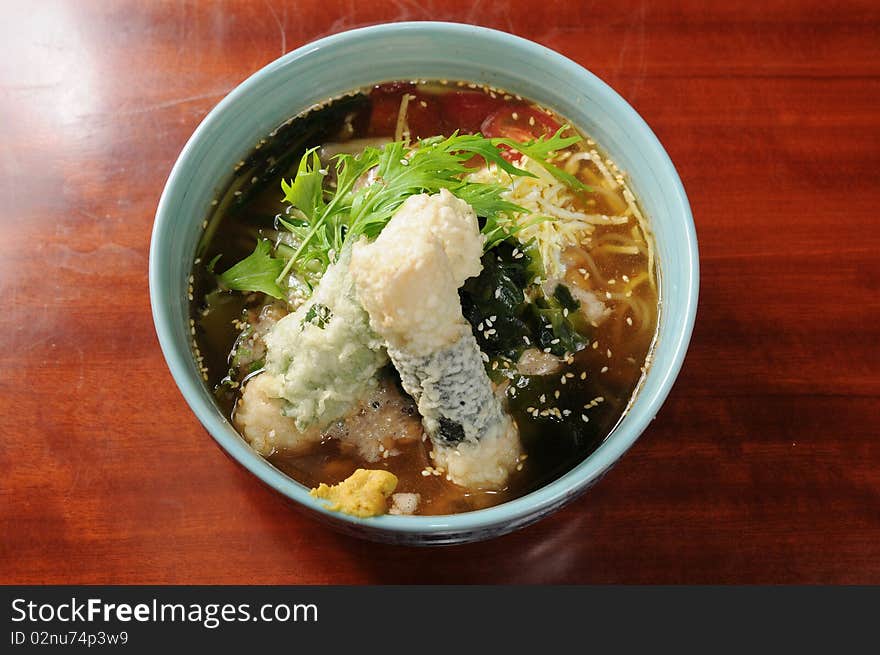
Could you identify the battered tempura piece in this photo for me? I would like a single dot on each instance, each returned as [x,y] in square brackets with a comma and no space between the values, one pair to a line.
[321,361]
[408,281]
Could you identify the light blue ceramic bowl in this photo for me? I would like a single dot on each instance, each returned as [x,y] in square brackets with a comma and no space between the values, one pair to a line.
[423,50]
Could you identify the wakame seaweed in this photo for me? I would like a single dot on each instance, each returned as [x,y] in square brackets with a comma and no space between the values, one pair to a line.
[504,320]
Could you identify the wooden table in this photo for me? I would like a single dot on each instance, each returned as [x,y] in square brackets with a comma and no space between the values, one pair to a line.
[764,464]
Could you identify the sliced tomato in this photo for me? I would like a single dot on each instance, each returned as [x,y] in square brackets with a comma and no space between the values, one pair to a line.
[465,111]
[520,122]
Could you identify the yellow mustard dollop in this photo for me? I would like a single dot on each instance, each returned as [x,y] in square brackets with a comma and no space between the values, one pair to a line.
[363,493]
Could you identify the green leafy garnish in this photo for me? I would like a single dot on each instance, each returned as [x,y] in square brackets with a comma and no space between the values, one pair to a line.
[321,217]
[542,149]
[256,272]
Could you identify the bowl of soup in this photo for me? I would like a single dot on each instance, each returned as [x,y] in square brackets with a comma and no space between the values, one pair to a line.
[429,281]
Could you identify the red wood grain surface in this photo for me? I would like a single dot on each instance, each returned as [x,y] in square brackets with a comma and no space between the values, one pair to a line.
[764,464]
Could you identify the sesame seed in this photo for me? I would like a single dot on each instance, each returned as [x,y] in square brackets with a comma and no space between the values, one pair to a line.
[546,350]
[608,295]
[629,320]
[584,418]
[480,327]
[562,380]
[423,103]
[493,318]
[608,353]
[554,342]
[612,281]
[514,116]
[595,345]
[556,394]
[531,120]
[583,376]
[543,398]
[526,339]
[565,311]
[604,369]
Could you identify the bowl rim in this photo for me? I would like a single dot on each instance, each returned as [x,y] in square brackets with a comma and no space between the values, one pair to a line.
[509,513]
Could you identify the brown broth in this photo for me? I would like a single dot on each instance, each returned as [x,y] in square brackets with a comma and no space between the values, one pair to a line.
[553,446]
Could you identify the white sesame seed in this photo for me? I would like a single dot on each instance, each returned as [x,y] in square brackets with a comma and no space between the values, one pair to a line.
[514,116]
[604,369]
[584,418]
